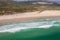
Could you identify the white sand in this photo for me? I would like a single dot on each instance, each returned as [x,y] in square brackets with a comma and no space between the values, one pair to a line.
[29,15]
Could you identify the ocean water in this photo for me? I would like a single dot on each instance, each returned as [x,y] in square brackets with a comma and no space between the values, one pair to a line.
[34,29]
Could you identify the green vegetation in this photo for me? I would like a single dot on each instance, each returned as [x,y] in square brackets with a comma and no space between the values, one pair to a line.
[15,7]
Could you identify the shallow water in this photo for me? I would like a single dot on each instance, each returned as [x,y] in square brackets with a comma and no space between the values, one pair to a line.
[35,29]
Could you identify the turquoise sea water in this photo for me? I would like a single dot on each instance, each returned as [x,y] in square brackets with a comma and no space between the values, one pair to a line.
[34,29]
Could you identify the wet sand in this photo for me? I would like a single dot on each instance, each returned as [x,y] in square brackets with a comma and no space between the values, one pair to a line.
[29,15]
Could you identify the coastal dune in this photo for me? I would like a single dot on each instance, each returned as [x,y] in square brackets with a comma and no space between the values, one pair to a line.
[29,15]
[50,13]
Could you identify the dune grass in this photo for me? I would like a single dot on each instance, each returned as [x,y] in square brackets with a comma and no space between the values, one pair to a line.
[11,8]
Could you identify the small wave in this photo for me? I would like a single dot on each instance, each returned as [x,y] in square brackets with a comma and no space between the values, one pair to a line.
[15,29]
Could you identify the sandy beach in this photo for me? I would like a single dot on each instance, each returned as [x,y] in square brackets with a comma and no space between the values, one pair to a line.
[29,15]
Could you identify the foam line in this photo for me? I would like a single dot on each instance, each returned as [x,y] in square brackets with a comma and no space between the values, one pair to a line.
[22,28]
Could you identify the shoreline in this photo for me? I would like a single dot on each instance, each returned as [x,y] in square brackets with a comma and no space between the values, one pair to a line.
[28,16]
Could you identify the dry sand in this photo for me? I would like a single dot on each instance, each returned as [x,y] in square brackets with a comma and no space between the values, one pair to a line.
[29,15]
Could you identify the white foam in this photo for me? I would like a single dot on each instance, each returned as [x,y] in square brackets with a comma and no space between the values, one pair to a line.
[45,26]
[13,29]
[22,28]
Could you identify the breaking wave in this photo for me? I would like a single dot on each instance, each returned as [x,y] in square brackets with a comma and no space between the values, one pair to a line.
[27,25]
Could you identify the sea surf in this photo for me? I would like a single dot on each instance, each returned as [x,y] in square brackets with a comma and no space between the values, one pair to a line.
[34,29]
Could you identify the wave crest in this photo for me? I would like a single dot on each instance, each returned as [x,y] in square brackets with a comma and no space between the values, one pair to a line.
[22,26]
